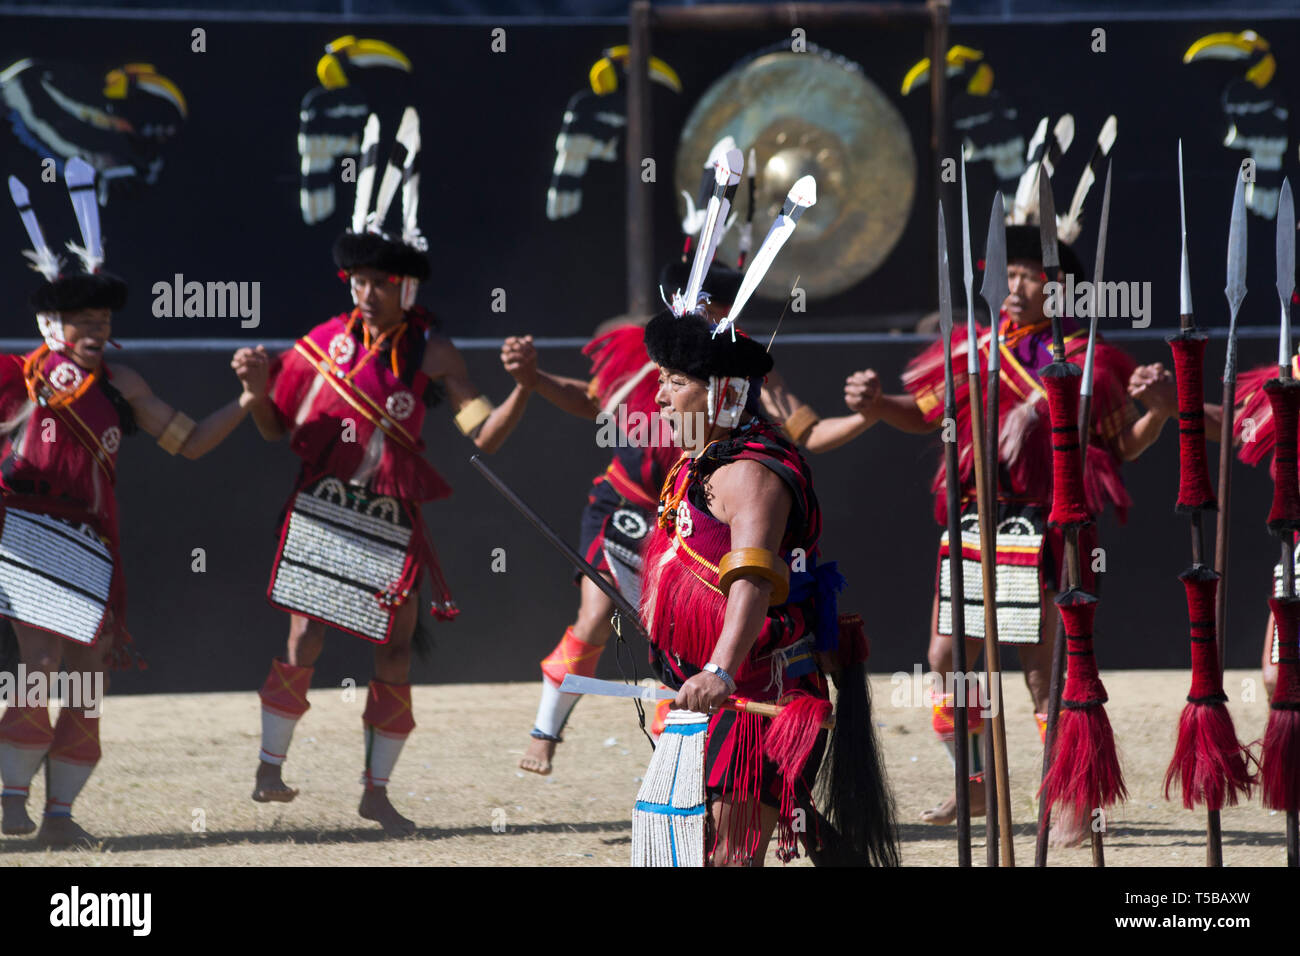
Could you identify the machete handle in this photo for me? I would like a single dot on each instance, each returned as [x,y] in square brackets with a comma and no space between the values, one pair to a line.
[744,705]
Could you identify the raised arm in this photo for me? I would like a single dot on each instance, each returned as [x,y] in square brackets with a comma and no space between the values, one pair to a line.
[176,432]
[802,424]
[756,504]
[486,426]
[519,357]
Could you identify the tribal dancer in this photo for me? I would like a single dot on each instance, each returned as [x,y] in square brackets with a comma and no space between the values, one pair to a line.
[1028,571]
[620,510]
[352,395]
[64,414]
[736,603]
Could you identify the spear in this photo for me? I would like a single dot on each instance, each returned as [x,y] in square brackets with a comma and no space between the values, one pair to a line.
[956,560]
[1082,769]
[1207,761]
[986,505]
[1086,387]
[1235,292]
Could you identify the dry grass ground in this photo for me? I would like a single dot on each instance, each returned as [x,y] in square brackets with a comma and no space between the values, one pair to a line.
[174,784]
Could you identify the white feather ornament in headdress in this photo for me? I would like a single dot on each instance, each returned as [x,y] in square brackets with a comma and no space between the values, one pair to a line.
[43,259]
[1042,151]
[802,195]
[1070,225]
[366,174]
[80,176]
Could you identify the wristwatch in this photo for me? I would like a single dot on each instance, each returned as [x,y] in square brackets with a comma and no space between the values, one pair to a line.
[718,672]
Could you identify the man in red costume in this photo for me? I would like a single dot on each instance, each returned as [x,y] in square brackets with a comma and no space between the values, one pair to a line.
[737,604]
[1029,572]
[64,413]
[351,395]
[620,510]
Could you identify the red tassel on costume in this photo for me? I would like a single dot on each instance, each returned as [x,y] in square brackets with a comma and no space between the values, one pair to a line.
[1061,380]
[1194,490]
[1284,398]
[794,733]
[1253,419]
[1085,773]
[1209,763]
[1279,763]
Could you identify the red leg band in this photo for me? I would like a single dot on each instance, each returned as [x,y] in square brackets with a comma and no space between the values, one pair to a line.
[1284,397]
[76,738]
[1194,490]
[571,656]
[285,690]
[26,727]
[388,709]
[943,716]
[1061,380]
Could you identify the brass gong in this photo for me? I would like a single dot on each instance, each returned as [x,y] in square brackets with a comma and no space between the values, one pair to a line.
[809,113]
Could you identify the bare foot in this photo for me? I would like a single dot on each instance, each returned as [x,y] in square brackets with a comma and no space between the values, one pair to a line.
[63,832]
[537,758]
[270,787]
[16,822]
[1067,832]
[946,812]
[375,806]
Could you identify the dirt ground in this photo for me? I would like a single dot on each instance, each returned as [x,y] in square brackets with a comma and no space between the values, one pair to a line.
[173,787]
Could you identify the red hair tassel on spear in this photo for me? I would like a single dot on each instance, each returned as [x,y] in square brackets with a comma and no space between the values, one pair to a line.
[1209,763]
[1084,774]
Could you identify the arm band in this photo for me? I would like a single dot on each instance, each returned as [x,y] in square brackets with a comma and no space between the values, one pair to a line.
[474,414]
[800,422]
[177,433]
[756,561]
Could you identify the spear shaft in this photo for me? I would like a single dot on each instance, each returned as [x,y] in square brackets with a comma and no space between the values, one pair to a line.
[986,505]
[956,561]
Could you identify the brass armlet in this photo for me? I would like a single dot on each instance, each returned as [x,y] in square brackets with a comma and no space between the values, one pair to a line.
[800,422]
[474,414]
[757,561]
[177,433]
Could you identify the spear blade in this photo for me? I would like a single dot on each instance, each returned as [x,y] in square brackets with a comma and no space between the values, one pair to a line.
[1047,226]
[945,283]
[994,288]
[1085,388]
[1236,287]
[1285,274]
[1051,255]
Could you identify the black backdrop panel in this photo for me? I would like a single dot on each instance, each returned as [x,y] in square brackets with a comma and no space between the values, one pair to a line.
[226,209]
[226,206]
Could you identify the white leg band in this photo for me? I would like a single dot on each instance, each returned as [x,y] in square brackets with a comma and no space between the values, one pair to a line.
[18,765]
[553,711]
[277,732]
[65,783]
[382,751]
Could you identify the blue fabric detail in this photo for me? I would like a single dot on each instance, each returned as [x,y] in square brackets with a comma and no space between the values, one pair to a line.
[822,585]
[686,730]
[665,810]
